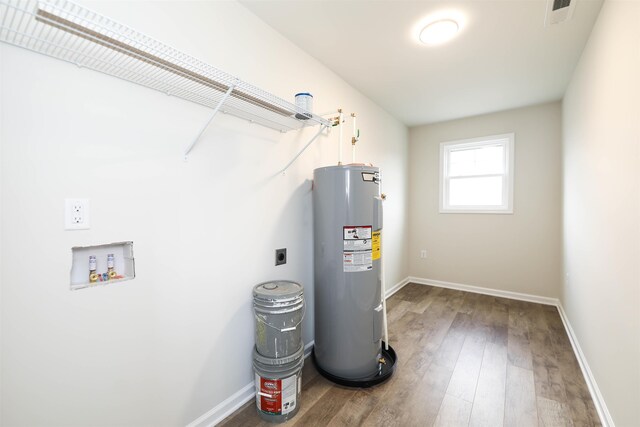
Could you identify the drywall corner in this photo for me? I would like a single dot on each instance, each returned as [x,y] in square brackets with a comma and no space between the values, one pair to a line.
[601,207]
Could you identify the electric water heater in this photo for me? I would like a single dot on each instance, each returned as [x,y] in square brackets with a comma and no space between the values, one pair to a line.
[347,215]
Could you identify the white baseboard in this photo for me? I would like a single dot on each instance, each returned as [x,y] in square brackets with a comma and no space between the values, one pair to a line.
[596,396]
[246,393]
[225,408]
[486,291]
[395,288]
[598,400]
[234,402]
[307,348]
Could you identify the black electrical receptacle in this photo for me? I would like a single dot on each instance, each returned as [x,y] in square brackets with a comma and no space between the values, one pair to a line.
[281,256]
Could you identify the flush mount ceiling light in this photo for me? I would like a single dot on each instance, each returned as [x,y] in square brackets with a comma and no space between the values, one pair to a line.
[438,32]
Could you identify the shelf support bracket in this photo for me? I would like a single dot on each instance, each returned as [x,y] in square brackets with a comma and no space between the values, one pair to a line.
[322,127]
[215,111]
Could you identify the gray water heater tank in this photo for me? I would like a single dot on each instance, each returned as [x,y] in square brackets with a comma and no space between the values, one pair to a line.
[347,218]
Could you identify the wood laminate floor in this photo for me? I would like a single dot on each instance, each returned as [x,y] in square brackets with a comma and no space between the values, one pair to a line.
[465,359]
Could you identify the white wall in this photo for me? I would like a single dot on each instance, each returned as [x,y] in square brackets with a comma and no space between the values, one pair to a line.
[516,253]
[165,348]
[1,239]
[601,294]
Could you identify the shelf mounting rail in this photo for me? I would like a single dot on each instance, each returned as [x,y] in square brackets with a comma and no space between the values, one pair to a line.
[67,31]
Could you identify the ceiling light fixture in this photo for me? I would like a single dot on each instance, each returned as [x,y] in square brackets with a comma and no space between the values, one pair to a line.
[439,32]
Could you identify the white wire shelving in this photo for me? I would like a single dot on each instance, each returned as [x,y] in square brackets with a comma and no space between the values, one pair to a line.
[73,33]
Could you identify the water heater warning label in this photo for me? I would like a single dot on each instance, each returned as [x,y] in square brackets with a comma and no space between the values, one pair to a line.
[357,252]
[375,243]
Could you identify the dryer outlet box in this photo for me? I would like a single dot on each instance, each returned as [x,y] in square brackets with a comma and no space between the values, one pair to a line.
[281,256]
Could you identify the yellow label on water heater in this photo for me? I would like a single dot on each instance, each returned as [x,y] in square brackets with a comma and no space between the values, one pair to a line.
[375,245]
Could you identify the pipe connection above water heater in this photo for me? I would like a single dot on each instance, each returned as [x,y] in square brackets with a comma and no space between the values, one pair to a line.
[354,138]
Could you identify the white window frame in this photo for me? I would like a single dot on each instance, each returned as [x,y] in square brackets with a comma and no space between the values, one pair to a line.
[507,141]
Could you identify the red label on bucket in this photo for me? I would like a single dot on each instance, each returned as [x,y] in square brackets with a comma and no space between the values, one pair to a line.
[271,396]
[277,396]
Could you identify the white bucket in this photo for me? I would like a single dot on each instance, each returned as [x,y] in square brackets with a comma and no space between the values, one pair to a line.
[278,384]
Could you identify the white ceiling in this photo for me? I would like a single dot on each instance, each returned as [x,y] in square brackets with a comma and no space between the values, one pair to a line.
[503,57]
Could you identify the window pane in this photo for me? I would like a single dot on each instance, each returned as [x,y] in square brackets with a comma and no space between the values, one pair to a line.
[485,191]
[477,161]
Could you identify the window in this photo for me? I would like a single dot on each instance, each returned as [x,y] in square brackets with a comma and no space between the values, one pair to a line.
[476,175]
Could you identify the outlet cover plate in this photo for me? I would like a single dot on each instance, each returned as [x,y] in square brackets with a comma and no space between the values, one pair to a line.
[76,214]
[281,256]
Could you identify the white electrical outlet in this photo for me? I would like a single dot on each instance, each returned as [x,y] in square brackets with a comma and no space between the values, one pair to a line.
[423,253]
[76,214]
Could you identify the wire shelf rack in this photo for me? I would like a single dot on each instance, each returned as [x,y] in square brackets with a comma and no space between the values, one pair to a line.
[72,33]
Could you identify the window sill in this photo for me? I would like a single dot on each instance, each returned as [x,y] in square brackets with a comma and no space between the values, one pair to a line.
[475,211]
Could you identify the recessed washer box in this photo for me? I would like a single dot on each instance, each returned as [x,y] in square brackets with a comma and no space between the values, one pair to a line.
[124,263]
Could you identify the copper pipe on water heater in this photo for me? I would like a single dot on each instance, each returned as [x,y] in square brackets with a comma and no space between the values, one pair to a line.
[354,139]
[341,120]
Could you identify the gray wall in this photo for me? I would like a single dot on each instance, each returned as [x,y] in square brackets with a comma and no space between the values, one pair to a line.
[518,252]
[601,144]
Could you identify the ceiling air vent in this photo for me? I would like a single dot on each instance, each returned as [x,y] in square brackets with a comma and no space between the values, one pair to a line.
[560,4]
[558,11]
